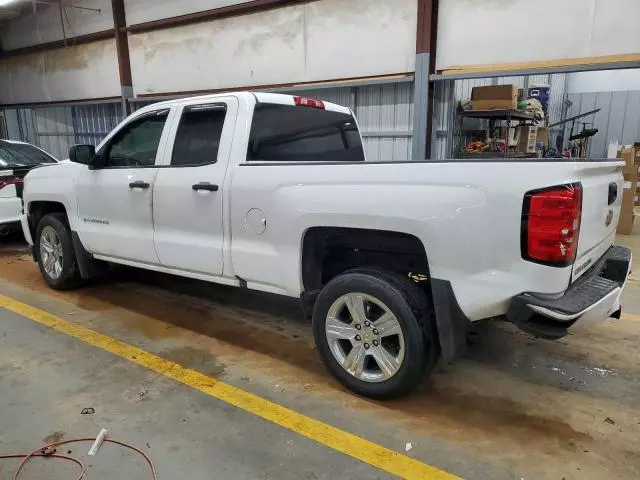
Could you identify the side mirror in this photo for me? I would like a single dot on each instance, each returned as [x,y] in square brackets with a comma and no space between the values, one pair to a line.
[83,154]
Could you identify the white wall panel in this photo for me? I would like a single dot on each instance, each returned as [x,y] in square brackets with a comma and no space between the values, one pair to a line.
[140,11]
[80,72]
[45,26]
[359,38]
[257,49]
[604,80]
[324,40]
[482,32]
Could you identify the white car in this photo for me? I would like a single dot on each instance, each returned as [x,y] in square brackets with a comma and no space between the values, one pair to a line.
[16,159]
[392,260]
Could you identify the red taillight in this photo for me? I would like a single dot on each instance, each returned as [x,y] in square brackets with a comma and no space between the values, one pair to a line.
[6,181]
[308,102]
[551,224]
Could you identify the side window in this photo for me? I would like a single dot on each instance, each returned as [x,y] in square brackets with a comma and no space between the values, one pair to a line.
[137,143]
[198,136]
[285,133]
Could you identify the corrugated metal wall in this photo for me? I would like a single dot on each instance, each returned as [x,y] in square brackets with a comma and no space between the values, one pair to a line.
[91,123]
[617,121]
[55,129]
[449,93]
[384,113]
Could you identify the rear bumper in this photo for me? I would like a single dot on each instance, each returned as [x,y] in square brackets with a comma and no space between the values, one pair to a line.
[590,300]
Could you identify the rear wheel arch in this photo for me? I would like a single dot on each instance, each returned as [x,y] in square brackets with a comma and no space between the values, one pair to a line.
[329,251]
[395,252]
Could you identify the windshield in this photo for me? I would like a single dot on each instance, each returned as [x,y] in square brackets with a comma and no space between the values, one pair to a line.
[22,155]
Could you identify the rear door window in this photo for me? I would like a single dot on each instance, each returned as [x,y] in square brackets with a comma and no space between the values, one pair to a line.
[198,136]
[283,133]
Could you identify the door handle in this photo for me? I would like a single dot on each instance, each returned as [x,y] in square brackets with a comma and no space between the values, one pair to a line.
[209,187]
[139,184]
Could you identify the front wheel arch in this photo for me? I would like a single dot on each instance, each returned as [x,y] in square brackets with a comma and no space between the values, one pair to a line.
[69,275]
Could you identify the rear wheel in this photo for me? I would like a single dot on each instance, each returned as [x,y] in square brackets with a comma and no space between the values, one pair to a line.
[373,330]
[54,250]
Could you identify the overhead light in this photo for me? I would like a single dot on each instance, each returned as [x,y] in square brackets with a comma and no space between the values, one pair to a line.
[6,2]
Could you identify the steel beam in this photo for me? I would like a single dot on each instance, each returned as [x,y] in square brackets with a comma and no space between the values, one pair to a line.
[586,67]
[423,91]
[122,48]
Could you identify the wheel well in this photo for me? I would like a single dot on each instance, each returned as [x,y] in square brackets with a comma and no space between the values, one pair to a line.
[39,209]
[330,251]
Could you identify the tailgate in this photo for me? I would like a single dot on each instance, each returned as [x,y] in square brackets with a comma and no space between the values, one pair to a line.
[602,187]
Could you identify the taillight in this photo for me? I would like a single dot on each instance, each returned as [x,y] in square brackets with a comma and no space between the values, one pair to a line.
[308,102]
[551,224]
[6,181]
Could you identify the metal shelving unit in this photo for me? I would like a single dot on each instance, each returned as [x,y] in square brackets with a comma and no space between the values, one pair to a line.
[508,115]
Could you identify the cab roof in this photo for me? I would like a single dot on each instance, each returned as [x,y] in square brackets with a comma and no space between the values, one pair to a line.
[260,97]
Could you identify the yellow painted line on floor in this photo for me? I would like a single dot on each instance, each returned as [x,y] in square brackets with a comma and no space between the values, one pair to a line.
[630,317]
[332,437]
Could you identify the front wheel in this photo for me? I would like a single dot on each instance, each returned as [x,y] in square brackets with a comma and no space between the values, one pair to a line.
[373,330]
[55,253]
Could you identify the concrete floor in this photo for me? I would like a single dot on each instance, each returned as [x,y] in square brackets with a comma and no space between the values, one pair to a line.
[516,407]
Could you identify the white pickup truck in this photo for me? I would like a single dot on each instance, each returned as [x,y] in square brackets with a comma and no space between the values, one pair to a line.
[392,260]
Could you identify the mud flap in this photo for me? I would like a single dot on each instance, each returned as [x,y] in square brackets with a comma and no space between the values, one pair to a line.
[453,325]
[87,265]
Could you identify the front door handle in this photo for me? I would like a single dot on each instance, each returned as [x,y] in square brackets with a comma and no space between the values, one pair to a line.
[139,184]
[209,187]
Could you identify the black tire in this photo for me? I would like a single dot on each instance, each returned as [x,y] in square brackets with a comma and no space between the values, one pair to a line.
[70,276]
[412,309]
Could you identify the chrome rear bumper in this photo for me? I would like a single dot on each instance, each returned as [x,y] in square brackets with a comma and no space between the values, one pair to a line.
[590,300]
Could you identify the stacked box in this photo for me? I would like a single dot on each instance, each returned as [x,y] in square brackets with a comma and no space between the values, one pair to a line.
[528,138]
[496,97]
[636,162]
[630,173]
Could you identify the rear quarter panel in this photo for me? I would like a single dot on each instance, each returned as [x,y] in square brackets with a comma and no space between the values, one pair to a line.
[467,215]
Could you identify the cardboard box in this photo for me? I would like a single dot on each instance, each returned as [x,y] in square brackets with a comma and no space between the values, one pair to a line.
[625,225]
[496,97]
[527,140]
[629,157]
[543,136]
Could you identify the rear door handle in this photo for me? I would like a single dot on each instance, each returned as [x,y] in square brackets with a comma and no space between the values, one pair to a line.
[206,186]
[139,184]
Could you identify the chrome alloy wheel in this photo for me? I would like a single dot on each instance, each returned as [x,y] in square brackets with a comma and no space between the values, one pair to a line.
[365,337]
[51,252]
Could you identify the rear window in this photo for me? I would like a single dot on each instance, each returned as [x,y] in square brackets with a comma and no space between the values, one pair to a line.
[21,155]
[282,133]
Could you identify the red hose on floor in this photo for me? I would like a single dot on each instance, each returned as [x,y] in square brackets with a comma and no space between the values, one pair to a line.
[43,452]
